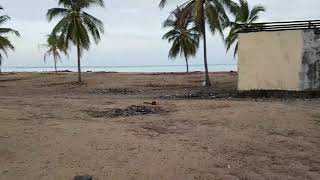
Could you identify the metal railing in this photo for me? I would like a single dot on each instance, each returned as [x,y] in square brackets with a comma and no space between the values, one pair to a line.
[280,26]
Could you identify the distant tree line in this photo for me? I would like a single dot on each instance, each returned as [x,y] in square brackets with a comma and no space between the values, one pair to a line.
[188,21]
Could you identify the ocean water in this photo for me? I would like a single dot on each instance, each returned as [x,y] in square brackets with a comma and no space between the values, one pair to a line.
[159,68]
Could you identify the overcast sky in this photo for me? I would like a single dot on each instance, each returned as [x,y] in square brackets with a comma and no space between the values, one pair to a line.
[132,31]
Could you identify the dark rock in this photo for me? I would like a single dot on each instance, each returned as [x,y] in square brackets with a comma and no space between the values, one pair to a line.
[115,91]
[85,177]
[126,112]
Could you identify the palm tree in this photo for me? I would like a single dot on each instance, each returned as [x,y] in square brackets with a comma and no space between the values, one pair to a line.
[76,25]
[210,11]
[55,48]
[184,41]
[244,16]
[5,43]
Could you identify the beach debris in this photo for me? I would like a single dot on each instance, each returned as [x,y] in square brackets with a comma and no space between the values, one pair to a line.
[65,71]
[279,94]
[115,91]
[133,110]
[85,177]
[203,93]
[153,103]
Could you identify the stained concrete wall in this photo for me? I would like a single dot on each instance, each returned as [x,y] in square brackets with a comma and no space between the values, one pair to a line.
[310,74]
[281,60]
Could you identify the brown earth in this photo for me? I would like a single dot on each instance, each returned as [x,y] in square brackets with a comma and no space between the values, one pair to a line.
[52,129]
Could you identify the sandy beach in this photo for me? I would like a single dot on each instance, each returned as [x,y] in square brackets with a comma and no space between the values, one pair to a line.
[52,128]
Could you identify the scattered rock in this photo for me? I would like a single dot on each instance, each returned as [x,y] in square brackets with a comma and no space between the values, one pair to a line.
[279,94]
[203,93]
[126,112]
[153,103]
[5,171]
[115,91]
[85,177]
[65,71]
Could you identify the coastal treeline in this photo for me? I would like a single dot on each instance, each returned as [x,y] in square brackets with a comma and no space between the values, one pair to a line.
[76,26]
[187,25]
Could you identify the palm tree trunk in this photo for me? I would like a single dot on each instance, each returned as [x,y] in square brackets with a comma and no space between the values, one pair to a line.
[208,83]
[187,64]
[55,67]
[79,64]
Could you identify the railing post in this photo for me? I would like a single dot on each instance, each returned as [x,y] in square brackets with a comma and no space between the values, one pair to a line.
[310,24]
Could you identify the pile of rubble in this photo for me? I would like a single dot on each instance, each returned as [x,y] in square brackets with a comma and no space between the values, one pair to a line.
[115,91]
[133,110]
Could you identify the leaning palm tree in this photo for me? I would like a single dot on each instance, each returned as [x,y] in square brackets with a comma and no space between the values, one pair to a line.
[54,47]
[76,25]
[184,41]
[211,11]
[244,16]
[5,43]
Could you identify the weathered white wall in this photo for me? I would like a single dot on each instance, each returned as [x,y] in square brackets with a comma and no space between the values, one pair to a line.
[270,60]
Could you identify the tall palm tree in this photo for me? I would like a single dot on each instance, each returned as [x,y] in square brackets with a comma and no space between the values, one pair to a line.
[184,41]
[243,14]
[76,25]
[5,43]
[211,11]
[55,47]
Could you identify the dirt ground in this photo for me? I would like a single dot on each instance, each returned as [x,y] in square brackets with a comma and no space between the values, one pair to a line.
[54,129]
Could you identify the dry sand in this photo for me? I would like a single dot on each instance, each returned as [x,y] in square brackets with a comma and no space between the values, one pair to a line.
[53,129]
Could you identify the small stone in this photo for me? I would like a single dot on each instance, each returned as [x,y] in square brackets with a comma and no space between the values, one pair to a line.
[85,177]
[154,103]
[5,171]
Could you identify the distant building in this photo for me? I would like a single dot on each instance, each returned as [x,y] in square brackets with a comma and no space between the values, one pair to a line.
[280,56]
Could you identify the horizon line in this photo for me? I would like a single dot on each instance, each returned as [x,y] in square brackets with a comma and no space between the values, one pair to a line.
[118,66]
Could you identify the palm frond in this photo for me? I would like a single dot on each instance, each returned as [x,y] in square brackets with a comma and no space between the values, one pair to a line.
[77,26]
[4,18]
[5,45]
[55,12]
[243,15]
[9,30]
[162,3]
[213,19]
[236,50]
[255,12]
